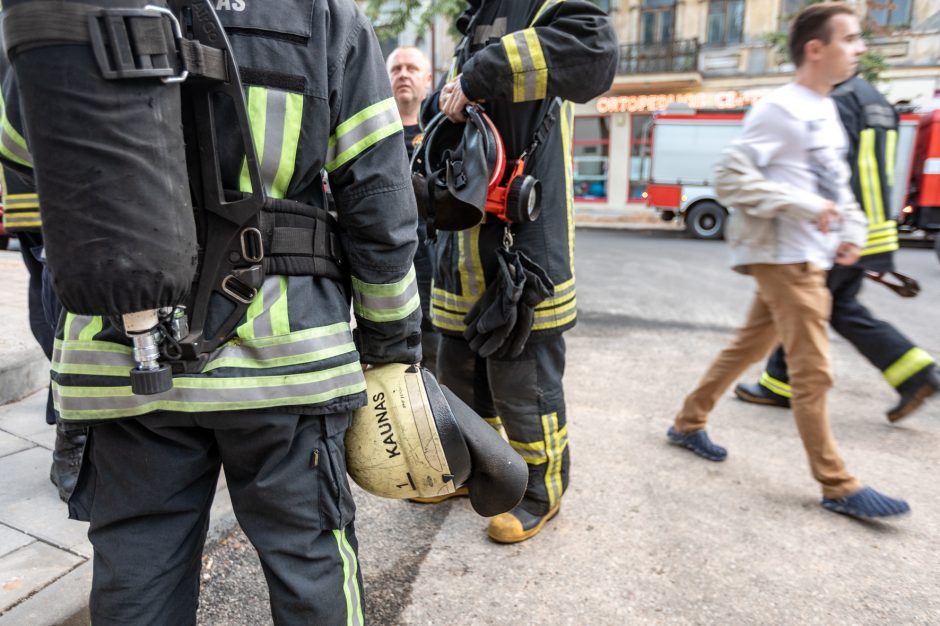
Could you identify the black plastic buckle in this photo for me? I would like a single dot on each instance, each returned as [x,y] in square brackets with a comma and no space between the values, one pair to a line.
[117,51]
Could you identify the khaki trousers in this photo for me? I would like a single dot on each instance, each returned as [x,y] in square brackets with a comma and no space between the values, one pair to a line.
[792,305]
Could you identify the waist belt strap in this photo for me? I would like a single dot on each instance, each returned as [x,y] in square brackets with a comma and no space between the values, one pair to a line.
[127,43]
[301,240]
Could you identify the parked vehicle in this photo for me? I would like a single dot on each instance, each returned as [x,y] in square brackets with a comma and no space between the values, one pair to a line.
[921,197]
[686,144]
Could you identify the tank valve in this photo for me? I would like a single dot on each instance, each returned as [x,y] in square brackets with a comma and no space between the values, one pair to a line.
[149,376]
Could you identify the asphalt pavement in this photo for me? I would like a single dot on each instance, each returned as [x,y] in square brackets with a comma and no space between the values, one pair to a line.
[649,533]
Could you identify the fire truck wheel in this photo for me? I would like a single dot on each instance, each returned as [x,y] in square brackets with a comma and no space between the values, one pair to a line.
[706,220]
[936,244]
[4,242]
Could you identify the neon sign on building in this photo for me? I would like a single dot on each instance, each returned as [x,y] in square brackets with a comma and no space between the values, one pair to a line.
[650,103]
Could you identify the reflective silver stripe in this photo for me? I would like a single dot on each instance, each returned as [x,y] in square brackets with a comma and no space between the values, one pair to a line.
[201,393]
[485,32]
[382,303]
[469,266]
[528,66]
[21,201]
[879,115]
[383,116]
[273,135]
[11,147]
[67,356]
[79,323]
[350,579]
[271,292]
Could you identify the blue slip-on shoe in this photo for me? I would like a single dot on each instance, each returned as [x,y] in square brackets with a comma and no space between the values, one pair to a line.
[698,442]
[866,503]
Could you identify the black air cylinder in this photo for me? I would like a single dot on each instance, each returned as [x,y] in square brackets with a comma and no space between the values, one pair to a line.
[110,170]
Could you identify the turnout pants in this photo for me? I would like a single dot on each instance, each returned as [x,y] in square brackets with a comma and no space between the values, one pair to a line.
[147,485]
[903,365]
[525,397]
[792,305]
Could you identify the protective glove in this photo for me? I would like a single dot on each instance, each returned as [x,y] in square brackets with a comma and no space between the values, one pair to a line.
[536,288]
[494,315]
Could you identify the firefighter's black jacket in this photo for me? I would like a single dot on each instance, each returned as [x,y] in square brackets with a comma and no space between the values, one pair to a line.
[871,124]
[516,58]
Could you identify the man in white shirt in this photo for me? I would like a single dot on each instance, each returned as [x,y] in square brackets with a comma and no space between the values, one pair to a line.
[794,214]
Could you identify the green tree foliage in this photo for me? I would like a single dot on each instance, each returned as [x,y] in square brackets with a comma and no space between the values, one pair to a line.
[390,17]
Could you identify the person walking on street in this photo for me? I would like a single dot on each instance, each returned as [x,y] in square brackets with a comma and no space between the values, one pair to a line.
[410,74]
[788,179]
[521,61]
[871,124]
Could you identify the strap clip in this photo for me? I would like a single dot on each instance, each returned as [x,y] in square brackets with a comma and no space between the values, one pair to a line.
[135,43]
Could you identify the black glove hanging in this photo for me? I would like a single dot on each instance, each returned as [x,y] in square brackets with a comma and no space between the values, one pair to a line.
[494,315]
[537,287]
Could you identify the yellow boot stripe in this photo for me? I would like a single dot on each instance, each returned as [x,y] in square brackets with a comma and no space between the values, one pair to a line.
[913,361]
[777,386]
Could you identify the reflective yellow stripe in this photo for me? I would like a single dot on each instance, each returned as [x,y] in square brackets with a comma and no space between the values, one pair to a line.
[515,62]
[869,177]
[879,249]
[12,144]
[566,129]
[386,302]
[94,327]
[913,361]
[469,265]
[350,579]
[293,115]
[530,74]
[257,117]
[777,386]
[247,329]
[891,150]
[881,238]
[21,200]
[555,443]
[545,5]
[201,393]
[363,130]
[280,322]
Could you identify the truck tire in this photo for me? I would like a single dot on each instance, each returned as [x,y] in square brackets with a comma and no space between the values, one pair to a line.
[706,220]
[936,244]
[4,242]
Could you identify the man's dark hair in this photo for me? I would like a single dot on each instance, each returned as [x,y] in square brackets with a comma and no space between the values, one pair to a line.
[813,23]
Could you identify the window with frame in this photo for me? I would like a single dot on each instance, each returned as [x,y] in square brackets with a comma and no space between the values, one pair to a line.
[889,13]
[725,22]
[640,155]
[657,19]
[591,152]
[603,4]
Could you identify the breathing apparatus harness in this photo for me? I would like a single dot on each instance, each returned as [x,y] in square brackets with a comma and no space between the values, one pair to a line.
[242,237]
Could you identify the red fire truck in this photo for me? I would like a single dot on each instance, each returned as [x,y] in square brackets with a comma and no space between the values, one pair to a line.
[686,145]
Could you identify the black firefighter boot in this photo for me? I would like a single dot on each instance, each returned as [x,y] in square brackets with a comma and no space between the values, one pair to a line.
[67,457]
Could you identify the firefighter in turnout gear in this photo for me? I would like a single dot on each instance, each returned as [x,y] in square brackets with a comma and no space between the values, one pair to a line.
[21,216]
[871,125]
[271,404]
[523,61]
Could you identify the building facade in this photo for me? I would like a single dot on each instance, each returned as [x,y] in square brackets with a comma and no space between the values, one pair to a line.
[720,54]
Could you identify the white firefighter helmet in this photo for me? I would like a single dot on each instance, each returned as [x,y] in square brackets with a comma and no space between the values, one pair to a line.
[415,438]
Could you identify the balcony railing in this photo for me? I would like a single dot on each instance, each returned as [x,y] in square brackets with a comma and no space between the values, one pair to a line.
[673,56]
